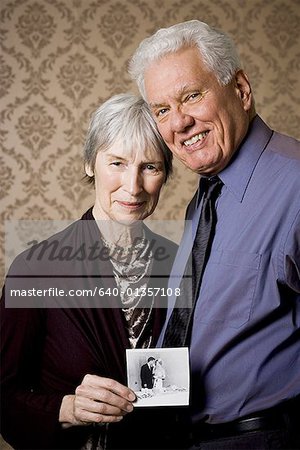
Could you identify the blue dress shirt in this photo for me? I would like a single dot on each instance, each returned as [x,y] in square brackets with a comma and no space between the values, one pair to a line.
[245,345]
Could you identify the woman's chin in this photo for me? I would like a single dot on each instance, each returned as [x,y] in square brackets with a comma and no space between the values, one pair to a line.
[128,219]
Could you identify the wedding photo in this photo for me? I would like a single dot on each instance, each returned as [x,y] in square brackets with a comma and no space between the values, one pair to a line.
[159,376]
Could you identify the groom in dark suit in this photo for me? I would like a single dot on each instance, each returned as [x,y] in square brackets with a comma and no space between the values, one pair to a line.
[147,373]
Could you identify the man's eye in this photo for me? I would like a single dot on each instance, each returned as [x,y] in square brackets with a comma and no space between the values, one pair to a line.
[192,96]
[161,112]
[116,163]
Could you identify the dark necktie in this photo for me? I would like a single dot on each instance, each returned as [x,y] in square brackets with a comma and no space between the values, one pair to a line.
[179,326]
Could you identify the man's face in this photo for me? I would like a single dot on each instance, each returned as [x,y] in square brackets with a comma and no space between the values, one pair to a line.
[202,122]
[151,364]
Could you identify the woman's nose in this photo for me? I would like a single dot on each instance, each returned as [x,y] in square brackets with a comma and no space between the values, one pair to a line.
[133,181]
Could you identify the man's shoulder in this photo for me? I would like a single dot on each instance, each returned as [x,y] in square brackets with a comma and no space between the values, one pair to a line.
[281,161]
[286,147]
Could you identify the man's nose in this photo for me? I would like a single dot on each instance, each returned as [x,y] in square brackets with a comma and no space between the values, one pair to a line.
[133,181]
[181,120]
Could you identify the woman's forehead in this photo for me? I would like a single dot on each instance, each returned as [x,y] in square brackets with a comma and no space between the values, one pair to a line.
[134,150]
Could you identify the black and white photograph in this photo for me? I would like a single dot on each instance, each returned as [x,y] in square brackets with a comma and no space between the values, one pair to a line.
[159,376]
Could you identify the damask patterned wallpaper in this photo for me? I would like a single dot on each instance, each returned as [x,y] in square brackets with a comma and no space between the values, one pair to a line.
[61,58]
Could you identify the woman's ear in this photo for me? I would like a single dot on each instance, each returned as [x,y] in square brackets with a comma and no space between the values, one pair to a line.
[88,170]
[244,89]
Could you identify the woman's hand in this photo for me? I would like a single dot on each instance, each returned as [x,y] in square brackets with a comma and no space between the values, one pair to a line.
[96,400]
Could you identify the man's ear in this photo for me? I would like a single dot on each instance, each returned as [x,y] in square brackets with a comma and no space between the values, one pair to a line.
[244,89]
[88,170]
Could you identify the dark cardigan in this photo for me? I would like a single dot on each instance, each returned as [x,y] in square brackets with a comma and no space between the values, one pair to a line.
[46,351]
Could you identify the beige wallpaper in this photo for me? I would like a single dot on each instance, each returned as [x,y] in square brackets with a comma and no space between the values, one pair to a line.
[60,58]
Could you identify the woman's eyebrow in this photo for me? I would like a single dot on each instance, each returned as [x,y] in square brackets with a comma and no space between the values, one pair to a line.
[115,156]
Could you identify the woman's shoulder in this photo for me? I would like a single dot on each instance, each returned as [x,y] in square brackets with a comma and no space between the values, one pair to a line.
[60,248]
[163,249]
[159,239]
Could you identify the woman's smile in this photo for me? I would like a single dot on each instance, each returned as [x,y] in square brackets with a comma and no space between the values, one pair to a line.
[130,205]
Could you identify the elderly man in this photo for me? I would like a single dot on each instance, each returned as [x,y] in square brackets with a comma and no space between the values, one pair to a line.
[242,319]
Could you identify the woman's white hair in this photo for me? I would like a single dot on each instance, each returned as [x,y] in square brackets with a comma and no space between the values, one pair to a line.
[125,117]
[217,50]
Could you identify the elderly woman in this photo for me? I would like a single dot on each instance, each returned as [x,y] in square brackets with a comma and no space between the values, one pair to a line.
[63,357]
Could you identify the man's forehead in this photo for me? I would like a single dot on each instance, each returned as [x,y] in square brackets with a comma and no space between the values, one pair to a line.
[173,78]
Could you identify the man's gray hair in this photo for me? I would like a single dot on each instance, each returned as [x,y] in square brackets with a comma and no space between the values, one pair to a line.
[216,48]
[124,117]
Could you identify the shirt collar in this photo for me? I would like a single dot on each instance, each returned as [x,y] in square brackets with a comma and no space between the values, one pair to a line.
[237,174]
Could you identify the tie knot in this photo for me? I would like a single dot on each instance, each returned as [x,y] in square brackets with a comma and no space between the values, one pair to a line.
[211,186]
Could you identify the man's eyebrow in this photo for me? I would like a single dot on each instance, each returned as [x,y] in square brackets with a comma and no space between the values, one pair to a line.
[157,105]
[178,95]
[184,89]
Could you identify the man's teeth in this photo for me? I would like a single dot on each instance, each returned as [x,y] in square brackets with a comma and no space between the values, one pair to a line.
[196,138]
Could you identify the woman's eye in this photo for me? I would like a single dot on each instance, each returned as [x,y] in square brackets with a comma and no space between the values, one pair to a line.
[116,163]
[150,167]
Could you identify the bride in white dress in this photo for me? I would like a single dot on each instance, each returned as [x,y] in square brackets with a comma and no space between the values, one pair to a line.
[159,374]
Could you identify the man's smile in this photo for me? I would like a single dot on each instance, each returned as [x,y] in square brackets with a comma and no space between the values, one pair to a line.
[195,138]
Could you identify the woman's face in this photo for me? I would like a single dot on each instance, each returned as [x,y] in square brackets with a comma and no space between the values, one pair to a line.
[127,184]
